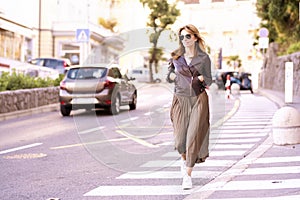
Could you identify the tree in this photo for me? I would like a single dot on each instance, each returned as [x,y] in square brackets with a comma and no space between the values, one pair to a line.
[281,17]
[161,17]
[234,61]
[109,24]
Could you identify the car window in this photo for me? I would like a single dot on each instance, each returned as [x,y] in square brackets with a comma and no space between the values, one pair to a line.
[39,62]
[51,63]
[86,73]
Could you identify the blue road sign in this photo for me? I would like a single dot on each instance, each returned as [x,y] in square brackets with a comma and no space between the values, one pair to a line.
[82,35]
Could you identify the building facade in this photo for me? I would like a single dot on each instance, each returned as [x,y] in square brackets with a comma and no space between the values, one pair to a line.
[46,28]
[62,28]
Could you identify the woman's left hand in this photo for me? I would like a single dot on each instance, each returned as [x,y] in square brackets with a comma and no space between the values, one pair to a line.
[201,78]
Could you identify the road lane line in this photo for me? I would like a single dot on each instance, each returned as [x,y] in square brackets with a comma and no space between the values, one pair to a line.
[20,148]
[138,140]
[91,130]
[89,143]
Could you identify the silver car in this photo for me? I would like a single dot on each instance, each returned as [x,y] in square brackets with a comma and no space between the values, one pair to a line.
[96,86]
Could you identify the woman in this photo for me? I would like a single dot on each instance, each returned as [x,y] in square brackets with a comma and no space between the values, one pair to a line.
[190,109]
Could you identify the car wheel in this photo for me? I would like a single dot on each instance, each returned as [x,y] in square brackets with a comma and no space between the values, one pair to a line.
[115,106]
[157,80]
[132,105]
[64,110]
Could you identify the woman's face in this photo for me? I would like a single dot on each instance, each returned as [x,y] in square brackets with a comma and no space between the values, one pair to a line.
[187,39]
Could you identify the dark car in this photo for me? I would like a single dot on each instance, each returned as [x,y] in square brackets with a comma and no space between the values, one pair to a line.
[241,78]
[96,86]
[58,64]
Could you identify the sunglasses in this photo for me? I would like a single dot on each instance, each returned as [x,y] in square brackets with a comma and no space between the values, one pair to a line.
[187,36]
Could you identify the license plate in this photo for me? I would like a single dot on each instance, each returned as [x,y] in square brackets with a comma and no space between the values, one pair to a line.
[84,101]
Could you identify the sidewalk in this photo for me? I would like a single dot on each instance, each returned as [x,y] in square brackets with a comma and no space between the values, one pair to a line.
[278,98]
[270,172]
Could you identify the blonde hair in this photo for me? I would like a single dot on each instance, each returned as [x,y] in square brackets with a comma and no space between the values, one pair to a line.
[194,31]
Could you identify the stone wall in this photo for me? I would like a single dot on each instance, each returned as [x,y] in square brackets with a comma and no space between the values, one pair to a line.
[273,76]
[28,98]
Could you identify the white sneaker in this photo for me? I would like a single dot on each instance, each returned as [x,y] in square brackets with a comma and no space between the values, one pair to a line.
[187,182]
[183,168]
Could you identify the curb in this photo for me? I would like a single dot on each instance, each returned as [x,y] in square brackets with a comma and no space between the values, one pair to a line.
[22,113]
[277,100]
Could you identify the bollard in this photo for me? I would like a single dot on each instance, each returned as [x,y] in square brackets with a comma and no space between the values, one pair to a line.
[213,88]
[235,89]
[286,126]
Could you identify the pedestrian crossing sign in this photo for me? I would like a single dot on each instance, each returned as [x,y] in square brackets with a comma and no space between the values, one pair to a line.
[82,35]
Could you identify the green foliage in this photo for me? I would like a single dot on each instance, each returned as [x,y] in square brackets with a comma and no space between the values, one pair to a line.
[234,61]
[294,48]
[162,15]
[281,18]
[19,81]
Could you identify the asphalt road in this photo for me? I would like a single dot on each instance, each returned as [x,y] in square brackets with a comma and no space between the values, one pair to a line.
[47,156]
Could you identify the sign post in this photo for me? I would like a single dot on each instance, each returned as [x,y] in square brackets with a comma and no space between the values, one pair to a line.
[83,37]
[263,43]
[288,92]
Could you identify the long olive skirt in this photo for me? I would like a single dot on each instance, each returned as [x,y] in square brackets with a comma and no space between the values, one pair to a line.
[190,118]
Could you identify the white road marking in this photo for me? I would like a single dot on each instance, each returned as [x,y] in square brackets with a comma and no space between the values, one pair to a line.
[289,197]
[20,148]
[237,135]
[226,153]
[278,159]
[234,131]
[170,163]
[167,174]
[230,141]
[91,130]
[232,146]
[129,119]
[261,184]
[138,190]
[272,170]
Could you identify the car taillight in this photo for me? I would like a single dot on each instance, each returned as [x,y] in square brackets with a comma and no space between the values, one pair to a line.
[109,84]
[63,85]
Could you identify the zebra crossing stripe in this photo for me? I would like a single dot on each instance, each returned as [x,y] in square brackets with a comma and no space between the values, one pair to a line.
[233,123]
[138,190]
[261,185]
[167,174]
[272,170]
[230,141]
[244,127]
[232,146]
[239,131]
[278,159]
[289,197]
[177,163]
[237,135]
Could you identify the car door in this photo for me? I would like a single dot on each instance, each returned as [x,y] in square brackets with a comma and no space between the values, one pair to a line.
[121,85]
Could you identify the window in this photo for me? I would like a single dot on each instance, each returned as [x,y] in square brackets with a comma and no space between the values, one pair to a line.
[86,73]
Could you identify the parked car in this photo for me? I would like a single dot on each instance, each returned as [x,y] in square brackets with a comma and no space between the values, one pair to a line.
[59,64]
[96,86]
[243,79]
